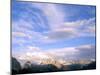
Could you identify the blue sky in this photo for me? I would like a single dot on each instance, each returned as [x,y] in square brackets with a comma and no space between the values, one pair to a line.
[48,29]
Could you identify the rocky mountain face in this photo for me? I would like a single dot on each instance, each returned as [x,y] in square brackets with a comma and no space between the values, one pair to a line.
[16,67]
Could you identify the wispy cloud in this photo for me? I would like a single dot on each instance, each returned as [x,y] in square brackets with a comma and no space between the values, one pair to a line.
[38,25]
[58,28]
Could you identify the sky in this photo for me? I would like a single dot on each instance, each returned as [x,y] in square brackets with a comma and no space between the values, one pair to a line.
[49,30]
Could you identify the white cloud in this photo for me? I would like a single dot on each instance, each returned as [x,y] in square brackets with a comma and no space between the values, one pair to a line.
[85,52]
[62,33]
[19,34]
[54,15]
[86,46]
[59,29]
[87,23]
[31,48]
[74,29]
[61,52]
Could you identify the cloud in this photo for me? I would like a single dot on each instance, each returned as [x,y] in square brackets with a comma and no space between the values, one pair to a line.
[61,33]
[39,24]
[19,34]
[62,52]
[32,48]
[81,25]
[45,24]
[66,31]
[73,29]
[85,52]
[29,17]
[54,18]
